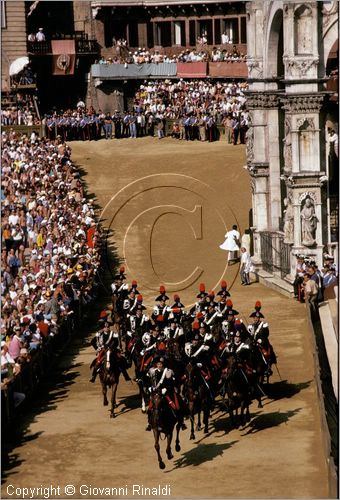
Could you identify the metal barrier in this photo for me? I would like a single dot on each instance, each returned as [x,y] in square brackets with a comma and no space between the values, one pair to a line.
[275,254]
[267,252]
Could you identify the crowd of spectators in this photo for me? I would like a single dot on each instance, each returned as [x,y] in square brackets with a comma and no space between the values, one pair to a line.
[21,112]
[201,54]
[311,282]
[50,248]
[197,109]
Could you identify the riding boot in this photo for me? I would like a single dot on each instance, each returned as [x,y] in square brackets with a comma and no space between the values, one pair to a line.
[148,427]
[94,375]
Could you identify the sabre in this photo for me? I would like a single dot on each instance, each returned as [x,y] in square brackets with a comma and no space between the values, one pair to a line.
[261,390]
[278,371]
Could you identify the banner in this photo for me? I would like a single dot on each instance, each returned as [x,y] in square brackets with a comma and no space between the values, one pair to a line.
[192,70]
[231,69]
[64,57]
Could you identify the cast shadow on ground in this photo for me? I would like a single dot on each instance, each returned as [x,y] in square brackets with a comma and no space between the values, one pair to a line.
[201,454]
[129,403]
[284,389]
[269,420]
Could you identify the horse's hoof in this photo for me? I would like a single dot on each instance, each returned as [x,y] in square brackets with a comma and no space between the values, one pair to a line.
[112,415]
[178,447]
[192,436]
[170,456]
[143,410]
[161,465]
[205,431]
[260,405]
[106,403]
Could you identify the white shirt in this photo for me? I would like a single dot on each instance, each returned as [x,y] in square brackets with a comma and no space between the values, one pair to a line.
[230,243]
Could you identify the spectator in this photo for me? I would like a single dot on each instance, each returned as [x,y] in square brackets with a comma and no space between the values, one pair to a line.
[40,36]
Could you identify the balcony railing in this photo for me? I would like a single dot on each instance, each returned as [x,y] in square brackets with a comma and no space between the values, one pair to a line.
[45,48]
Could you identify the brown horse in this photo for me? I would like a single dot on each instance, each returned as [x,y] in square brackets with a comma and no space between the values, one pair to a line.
[163,420]
[235,391]
[199,397]
[109,373]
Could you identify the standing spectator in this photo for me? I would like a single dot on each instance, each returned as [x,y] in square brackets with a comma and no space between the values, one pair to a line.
[311,295]
[40,36]
[108,126]
[160,127]
[133,126]
[246,266]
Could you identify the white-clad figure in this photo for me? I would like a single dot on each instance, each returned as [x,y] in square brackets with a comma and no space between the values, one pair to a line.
[232,244]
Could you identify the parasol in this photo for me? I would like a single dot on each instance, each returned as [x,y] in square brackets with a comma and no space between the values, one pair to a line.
[18,65]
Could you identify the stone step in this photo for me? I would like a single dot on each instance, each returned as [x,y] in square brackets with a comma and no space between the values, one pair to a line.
[275,283]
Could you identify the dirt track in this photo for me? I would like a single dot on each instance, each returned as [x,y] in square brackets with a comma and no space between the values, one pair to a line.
[71,440]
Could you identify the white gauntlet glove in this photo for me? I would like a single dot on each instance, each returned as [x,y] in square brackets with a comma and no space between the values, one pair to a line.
[164,391]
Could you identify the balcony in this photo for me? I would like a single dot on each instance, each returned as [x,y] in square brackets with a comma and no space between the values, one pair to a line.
[84,46]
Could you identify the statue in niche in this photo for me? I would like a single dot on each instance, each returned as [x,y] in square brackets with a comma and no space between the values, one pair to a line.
[288,217]
[308,222]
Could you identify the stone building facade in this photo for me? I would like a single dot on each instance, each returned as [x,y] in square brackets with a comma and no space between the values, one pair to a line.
[291,107]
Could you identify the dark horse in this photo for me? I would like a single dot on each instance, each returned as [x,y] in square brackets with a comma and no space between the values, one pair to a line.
[109,373]
[235,391]
[163,419]
[198,396]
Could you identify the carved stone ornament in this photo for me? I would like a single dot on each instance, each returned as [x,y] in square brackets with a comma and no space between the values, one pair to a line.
[302,104]
[307,194]
[250,144]
[329,10]
[299,66]
[307,123]
[262,101]
[255,68]
[287,146]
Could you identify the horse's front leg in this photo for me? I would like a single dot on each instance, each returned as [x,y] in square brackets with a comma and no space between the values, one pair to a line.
[177,445]
[113,399]
[156,434]
[206,415]
[168,447]
[199,424]
[104,391]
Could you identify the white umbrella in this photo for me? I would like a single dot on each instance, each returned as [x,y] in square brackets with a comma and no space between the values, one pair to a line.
[18,65]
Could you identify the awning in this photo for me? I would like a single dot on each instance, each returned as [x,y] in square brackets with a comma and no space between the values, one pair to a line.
[122,71]
[192,70]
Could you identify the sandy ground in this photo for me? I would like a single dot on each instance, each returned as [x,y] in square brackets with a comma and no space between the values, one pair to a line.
[168,204]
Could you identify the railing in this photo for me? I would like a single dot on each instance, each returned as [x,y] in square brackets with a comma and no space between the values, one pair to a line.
[83,46]
[285,250]
[275,254]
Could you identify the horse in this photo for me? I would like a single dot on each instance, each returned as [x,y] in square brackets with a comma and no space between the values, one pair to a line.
[109,373]
[235,391]
[163,419]
[199,397]
[142,363]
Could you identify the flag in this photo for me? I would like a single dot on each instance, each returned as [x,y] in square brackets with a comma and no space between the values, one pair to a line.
[33,6]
